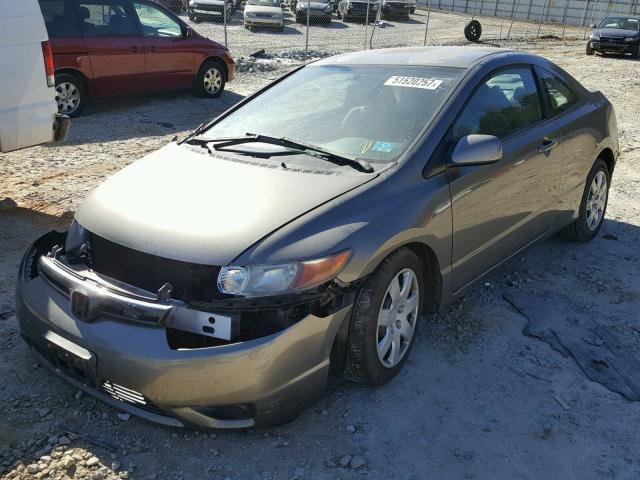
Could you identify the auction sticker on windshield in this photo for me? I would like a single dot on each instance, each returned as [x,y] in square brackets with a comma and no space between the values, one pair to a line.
[414,82]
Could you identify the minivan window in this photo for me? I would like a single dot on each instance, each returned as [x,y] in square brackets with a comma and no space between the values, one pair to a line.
[156,23]
[373,112]
[106,18]
[503,105]
[59,18]
[560,97]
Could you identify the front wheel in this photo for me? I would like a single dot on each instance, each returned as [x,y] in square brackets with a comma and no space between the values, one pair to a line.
[635,53]
[593,205]
[385,318]
[589,49]
[211,79]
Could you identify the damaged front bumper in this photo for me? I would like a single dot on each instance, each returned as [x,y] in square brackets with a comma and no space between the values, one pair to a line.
[113,341]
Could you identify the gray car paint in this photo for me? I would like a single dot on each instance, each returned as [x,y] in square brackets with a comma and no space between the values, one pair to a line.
[417,201]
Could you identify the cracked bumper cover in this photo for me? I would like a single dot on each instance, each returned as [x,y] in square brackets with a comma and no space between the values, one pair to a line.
[277,375]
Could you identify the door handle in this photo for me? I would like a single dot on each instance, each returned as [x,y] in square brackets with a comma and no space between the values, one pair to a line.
[152,49]
[135,49]
[547,145]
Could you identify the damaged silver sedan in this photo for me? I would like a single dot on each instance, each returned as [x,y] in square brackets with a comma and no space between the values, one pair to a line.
[219,280]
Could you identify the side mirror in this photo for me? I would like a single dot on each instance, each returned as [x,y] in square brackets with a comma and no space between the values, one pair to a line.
[477,150]
[186,31]
[593,25]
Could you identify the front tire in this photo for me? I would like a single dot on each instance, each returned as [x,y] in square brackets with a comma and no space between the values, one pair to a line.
[71,95]
[635,53]
[384,319]
[593,205]
[589,49]
[211,80]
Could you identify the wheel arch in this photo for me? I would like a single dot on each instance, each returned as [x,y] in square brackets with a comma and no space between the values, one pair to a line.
[219,61]
[609,158]
[76,73]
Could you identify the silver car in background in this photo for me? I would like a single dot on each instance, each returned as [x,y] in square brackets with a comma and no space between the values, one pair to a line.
[263,13]
[218,281]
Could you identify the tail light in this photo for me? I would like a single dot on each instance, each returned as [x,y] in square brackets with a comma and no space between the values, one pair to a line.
[48,64]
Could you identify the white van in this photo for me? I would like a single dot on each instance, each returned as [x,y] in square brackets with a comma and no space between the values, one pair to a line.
[28,109]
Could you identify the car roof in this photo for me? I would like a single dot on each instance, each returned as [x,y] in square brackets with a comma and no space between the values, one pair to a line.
[458,57]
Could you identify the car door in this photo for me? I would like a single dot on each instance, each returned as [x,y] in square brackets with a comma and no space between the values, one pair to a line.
[115,48]
[169,58]
[501,207]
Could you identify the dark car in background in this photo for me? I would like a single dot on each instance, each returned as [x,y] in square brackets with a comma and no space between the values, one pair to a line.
[357,10]
[213,10]
[396,9]
[615,35]
[217,281]
[106,48]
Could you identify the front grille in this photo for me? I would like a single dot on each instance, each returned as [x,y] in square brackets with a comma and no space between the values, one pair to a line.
[126,395]
[190,281]
[611,40]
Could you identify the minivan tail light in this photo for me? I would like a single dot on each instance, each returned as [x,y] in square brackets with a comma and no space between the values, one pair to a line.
[48,64]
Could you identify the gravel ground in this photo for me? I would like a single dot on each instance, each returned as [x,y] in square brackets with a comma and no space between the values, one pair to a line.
[477,398]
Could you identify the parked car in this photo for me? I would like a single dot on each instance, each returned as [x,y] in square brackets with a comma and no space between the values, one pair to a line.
[218,280]
[392,9]
[615,35]
[357,10]
[315,10]
[176,6]
[105,48]
[263,13]
[28,113]
[199,10]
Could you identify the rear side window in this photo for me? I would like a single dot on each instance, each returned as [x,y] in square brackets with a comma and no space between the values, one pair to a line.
[60,18]
[559,95]
[503,105]
[106,18]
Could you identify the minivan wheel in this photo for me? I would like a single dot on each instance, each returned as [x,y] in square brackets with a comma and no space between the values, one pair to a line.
[71,96]
[211,79]
[385,317]
[593,205]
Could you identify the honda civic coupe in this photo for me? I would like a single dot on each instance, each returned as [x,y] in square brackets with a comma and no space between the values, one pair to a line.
[219,280]
[615,35]
[107,48]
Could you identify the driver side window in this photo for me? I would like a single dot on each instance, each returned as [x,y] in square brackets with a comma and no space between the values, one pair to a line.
[503,105]
[156,23]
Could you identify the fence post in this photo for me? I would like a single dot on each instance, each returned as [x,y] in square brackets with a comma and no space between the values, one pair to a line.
[564,17]
[584,13]
[426,27]
[541,16]
[515,8]
[306,46]
[473,14]
[366,25]
[224,14]
[529,10]
[495,11]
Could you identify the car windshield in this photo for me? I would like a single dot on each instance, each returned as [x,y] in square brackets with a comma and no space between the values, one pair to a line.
[623,23]
[264,3]
[371,112]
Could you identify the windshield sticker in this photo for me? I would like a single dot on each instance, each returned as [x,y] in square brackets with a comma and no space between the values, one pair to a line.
[384,147]
[414,82]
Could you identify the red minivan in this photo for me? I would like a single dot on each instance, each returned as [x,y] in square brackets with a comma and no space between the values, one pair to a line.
[105,48]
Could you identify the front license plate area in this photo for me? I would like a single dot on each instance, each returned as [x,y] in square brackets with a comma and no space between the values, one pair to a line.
[70,358]
[224,327]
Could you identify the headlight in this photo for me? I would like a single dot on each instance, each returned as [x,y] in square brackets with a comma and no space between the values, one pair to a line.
[263,280]
[594,36]
[630,39]
[328,8]
[76,237]
[249,14]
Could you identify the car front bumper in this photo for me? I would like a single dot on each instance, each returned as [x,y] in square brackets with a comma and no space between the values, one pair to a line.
[263,22]
[130,365]
[608,47]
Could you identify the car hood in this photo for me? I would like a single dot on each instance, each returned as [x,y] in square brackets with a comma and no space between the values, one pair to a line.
[262,9]
[616,33]
[184,204]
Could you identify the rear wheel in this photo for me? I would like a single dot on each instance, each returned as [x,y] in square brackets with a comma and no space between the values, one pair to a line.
[593,205]
[71,95]
[211,79]
[385,318]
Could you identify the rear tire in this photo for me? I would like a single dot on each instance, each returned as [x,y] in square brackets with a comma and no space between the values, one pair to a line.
[71,95]
[366,332]
[211,79]
[584,229]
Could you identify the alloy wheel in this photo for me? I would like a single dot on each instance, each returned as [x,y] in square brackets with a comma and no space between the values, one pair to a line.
[397,317]
[68,97]
[597,200]
[212,81]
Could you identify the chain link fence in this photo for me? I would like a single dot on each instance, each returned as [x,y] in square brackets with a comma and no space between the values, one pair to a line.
[298,26]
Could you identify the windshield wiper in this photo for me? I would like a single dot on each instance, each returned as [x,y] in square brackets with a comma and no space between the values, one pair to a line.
[295,145]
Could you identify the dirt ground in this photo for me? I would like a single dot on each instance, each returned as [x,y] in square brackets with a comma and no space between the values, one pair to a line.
[477,398]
